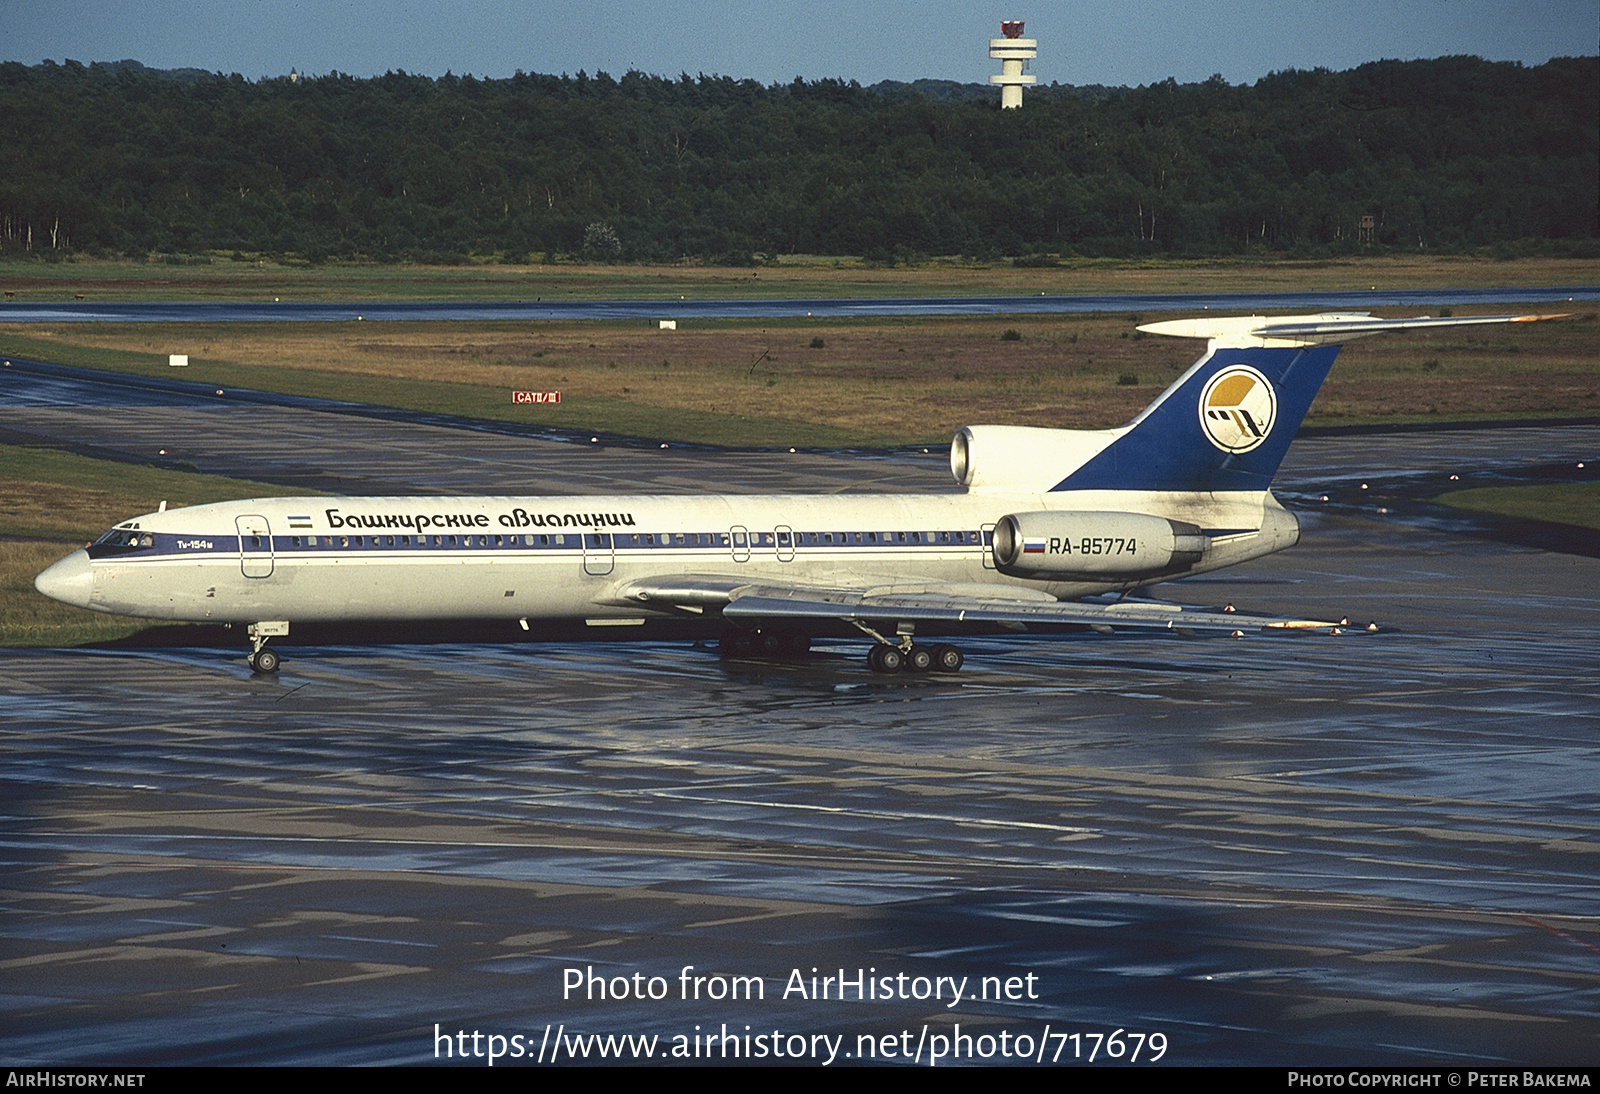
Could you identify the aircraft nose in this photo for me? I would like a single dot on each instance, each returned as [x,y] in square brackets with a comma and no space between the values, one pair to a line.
[70,581]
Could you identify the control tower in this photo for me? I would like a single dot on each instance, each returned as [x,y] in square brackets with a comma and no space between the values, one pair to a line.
[1011,51]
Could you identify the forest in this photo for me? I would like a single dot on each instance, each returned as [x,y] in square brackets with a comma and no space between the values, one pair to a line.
[1449,155]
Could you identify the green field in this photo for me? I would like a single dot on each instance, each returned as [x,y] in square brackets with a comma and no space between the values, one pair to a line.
[52,502]
[219,278]
[1577,504]
[823,382]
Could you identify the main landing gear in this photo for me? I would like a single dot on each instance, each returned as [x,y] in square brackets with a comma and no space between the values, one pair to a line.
[901,654]
[898,654]
[915,658]
[262,660]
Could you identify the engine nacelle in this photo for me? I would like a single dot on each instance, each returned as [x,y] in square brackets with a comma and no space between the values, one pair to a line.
[1067,546]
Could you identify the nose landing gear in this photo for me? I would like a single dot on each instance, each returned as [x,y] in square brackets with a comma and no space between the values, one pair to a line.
[262,660]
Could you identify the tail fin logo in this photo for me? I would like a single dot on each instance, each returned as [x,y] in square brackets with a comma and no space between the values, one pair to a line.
[1238,408]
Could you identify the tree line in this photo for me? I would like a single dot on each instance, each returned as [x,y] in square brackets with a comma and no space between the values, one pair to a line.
[1448,155]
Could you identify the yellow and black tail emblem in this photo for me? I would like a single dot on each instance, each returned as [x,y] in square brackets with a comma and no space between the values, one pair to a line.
[1238,408]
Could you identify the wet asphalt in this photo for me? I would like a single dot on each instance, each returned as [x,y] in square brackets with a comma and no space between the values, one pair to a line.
[1299,850]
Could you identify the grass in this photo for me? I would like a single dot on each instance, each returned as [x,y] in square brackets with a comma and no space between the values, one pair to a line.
[28,619]
[52,502]
[263,279]
[1576,504]
[768,382]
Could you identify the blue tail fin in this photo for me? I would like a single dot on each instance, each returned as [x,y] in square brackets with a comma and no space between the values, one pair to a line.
[1224,425]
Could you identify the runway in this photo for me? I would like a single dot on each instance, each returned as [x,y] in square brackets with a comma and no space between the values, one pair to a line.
[1298,851]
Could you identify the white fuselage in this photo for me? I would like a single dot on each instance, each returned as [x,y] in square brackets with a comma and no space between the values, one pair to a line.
[339,559]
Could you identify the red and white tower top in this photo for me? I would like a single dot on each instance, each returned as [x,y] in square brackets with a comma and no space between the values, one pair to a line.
[1013,51]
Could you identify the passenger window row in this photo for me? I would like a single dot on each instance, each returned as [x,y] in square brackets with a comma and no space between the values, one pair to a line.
[647,540]
[121,538]
[442,540]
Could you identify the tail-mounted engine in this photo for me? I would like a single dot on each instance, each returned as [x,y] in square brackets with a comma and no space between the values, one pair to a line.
[1021,458]
[1067,546]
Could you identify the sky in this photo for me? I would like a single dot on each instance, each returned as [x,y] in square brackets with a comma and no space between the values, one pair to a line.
[1112,42]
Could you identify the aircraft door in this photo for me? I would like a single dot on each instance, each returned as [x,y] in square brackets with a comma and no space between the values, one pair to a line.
[599,553]
[739,538]
[785,538]
[255,545]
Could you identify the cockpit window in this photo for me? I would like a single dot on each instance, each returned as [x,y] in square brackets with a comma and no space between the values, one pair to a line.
[120,541]
[122,537]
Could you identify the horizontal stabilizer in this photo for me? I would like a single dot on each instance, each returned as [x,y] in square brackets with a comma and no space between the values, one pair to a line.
[1330,329]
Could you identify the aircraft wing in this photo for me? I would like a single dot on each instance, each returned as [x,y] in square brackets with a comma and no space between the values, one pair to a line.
[890,605]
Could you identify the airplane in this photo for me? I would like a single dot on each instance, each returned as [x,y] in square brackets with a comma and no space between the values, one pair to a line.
[1048,517]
